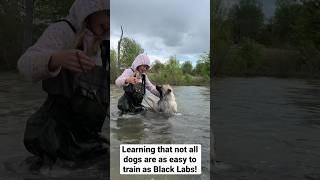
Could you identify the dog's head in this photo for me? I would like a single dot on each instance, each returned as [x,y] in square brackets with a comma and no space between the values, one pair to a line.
[137,74]
[164,90]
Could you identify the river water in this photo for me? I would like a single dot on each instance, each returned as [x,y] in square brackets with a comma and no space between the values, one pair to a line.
[19,99]
[190,126]
[266,128]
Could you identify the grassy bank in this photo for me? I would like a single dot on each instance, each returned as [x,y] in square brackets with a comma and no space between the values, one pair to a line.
[182,80]
[252,59]
[163,78]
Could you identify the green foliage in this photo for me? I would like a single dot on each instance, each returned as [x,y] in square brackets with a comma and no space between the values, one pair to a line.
[130,49]
[169,73]
[187,67]
[244,58]
[221,36]
[157,66]
[306,28]
[173,66]
[173,71]
[47,12]
[188,79]
[285,17]
[12,16]
[304,31]
[288,45]
[203,66]
[114,70]
[246,19]
[310,60]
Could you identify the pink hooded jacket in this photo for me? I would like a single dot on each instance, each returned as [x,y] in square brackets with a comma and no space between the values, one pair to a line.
[57,37]
[141,59]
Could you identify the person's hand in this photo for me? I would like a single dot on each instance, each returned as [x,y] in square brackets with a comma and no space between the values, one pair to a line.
[132,80]
[73,60]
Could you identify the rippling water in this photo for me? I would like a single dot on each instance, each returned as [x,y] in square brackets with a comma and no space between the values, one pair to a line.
[267,128]
[19,99]
[190,126]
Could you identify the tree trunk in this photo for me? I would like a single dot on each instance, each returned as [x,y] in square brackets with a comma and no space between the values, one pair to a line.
[119,46]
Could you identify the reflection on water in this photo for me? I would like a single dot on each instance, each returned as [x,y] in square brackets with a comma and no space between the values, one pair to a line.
[190,126]
[267,128]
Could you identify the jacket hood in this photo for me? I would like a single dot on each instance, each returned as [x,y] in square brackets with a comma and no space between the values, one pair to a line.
[141,59]
[81,9]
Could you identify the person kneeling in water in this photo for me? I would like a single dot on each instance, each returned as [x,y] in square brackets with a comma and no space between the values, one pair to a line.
[134,86]
[70,59]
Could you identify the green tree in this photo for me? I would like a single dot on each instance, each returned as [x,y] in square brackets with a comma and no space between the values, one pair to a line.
[203,66]
[130,49]
[173,71]
[306,27]
[173,65]
[114,70]
[284,19]
[247,19]
[15,22]
[157,66]
[221,37]
[187,67]
[47,12]
[306,37]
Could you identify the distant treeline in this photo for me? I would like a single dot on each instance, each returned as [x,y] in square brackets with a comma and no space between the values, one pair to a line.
[22,22]
[245,43]
[172,72]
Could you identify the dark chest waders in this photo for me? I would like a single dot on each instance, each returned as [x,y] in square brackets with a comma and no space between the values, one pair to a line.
[132,98]
[69,122]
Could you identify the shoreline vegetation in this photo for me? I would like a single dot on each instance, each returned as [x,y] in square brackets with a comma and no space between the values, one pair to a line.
[246,43]
[20,30]
[171,72]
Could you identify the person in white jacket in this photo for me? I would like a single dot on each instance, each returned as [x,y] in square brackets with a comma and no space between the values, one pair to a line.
[67,59]
[134,87]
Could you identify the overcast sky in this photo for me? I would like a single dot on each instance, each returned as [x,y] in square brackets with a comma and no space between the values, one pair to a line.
[164,27]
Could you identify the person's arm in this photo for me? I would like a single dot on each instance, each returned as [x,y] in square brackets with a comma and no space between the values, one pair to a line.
[151,87]
[34,63]
[121,80]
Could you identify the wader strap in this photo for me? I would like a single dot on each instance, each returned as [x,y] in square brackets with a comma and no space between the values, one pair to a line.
[105,48]
[144,83]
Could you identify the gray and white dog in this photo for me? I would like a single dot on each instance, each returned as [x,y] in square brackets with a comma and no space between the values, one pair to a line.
[167,103]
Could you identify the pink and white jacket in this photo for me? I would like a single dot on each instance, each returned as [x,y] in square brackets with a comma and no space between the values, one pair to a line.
[141,59]
[33,64]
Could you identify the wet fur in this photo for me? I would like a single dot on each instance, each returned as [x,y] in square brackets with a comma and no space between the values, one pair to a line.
[167,103]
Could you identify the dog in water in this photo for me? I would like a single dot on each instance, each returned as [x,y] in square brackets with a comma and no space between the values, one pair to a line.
[167,103]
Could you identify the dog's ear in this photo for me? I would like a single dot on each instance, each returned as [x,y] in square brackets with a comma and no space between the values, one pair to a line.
[158,87]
